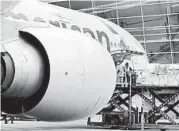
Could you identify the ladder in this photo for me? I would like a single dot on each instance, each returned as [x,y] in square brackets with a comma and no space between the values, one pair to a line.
[116,105]
[114,102]
[116,95]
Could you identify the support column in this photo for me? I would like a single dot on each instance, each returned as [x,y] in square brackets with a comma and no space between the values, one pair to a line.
[153,117]
[130,100]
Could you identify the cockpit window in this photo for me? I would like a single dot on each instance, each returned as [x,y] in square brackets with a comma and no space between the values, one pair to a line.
[6,5]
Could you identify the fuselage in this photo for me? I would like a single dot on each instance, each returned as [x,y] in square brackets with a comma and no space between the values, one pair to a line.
[37,14]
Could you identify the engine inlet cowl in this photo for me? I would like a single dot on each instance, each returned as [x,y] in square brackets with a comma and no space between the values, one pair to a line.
[7,71]
[60,75]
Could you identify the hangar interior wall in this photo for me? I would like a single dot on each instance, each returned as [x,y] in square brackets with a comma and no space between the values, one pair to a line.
[154,23]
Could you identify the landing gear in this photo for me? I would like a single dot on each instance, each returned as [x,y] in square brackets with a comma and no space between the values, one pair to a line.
[7,118]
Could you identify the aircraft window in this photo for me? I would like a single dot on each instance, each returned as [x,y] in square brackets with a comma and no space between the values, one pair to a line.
[56,23]
[118,45]
[7,5]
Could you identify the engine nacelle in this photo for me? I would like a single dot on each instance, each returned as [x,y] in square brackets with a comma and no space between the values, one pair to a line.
[57,74]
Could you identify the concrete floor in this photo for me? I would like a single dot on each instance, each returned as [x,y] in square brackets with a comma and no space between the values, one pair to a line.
[53,126]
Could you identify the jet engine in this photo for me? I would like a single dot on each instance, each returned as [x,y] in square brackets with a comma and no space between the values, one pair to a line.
[55,75]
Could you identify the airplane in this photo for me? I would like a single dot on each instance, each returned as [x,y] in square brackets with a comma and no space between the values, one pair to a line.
[56,63]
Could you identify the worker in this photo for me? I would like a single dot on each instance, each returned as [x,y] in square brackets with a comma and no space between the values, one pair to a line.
[134,77]
[119,71]
[127,73]
[12,119]
[4,118]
